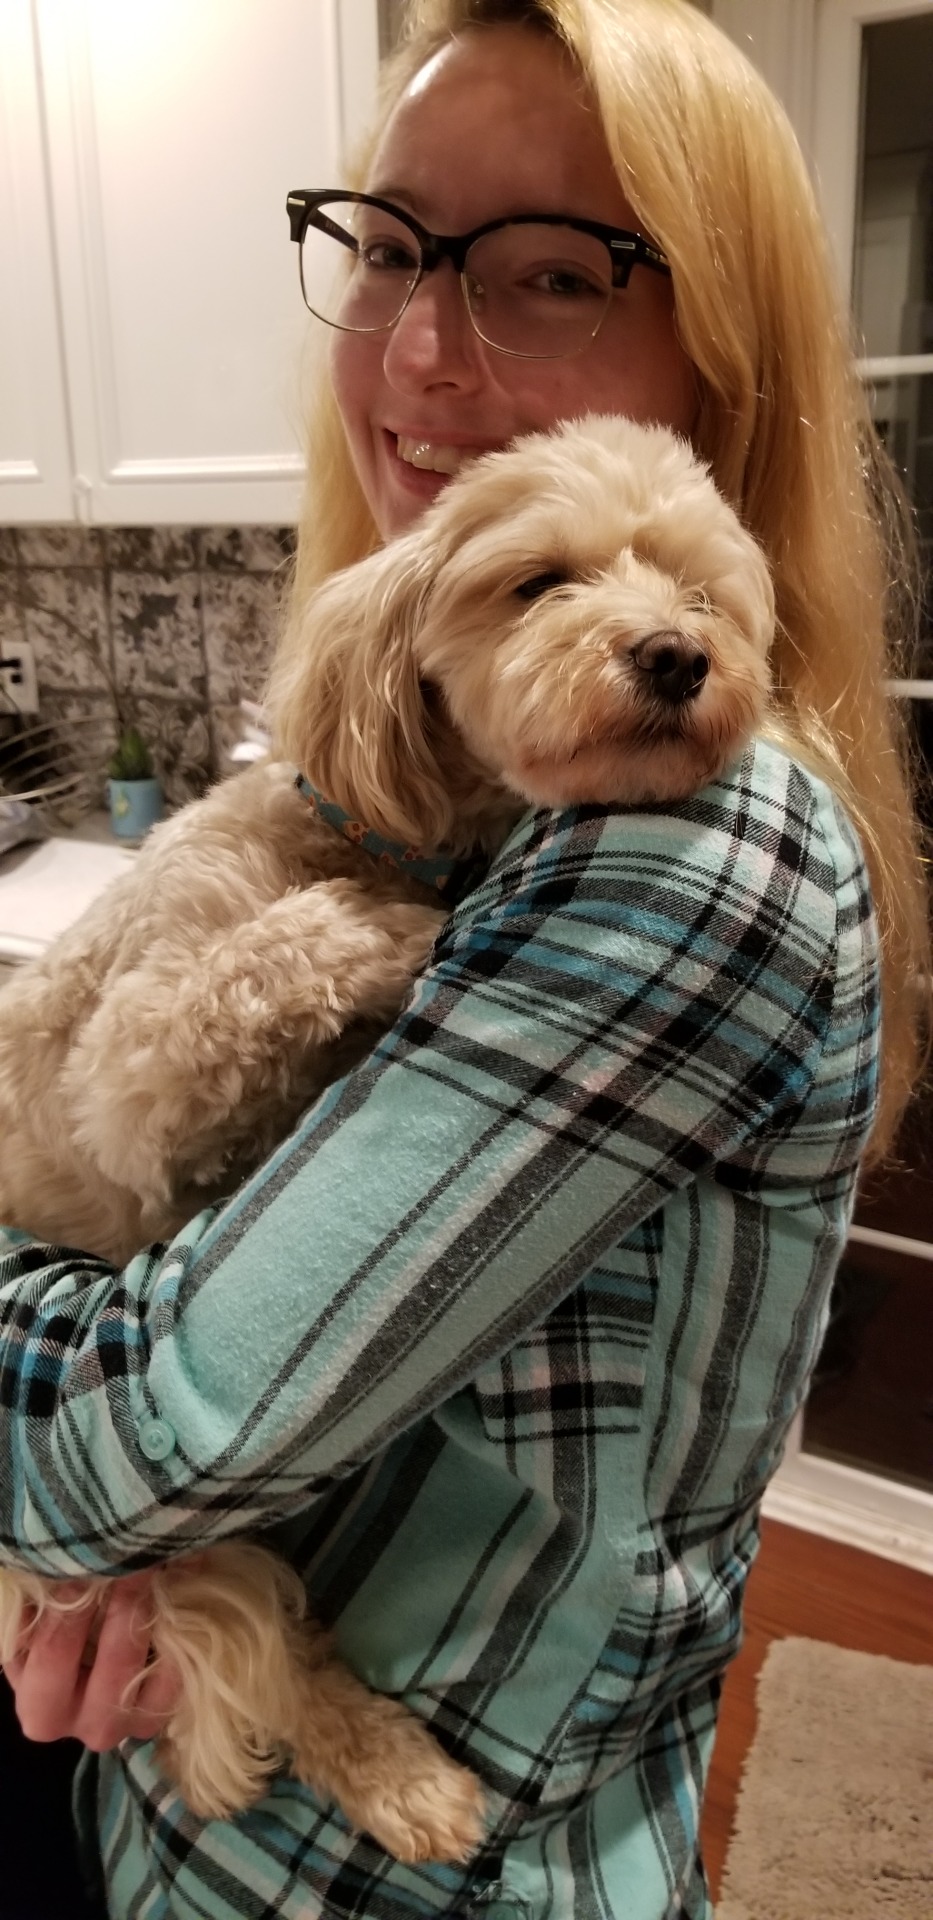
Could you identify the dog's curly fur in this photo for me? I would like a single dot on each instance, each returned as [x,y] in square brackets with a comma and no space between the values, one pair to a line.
[523,644]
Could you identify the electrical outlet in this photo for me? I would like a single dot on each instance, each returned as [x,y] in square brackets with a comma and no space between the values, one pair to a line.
[18,675]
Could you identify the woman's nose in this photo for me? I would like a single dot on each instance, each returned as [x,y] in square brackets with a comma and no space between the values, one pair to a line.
[434,343]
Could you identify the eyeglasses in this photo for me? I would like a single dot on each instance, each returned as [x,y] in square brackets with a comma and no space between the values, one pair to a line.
[534,287]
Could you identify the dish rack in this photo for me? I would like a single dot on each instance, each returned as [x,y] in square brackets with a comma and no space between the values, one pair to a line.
[39,768]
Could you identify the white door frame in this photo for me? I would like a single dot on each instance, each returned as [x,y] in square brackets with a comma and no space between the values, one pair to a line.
[835,129]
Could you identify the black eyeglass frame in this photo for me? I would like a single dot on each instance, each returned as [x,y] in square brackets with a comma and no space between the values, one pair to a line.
[306,207]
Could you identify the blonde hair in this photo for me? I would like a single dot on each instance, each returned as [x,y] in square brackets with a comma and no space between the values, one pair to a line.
[707,158]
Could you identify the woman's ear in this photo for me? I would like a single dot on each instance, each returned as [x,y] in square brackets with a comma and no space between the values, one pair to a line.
[345,699]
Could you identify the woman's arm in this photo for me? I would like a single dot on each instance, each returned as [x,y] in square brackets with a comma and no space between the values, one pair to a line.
[625,1001]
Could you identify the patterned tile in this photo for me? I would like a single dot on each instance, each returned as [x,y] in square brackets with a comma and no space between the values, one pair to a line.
[156,625]
[168,550]
[66,622]
[12,621]
[241,620]
[245,549]
[85,726]
[87,723]
[182,619]
[179,736]
[60,546]
[177,733]
[227,728]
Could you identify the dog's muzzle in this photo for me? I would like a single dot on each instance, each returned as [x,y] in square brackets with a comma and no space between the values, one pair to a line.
[674,666]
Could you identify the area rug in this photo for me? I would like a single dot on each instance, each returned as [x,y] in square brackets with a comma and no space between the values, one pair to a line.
[835,1809]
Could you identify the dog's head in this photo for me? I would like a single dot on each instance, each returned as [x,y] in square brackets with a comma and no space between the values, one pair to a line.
[578,618]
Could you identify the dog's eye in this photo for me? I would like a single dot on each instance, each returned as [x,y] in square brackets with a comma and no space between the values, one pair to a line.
[540,583]
[698,601]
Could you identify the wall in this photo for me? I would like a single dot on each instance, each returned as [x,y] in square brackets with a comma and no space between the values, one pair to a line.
[182,620]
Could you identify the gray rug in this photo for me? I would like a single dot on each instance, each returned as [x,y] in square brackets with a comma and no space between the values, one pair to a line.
[835,1811]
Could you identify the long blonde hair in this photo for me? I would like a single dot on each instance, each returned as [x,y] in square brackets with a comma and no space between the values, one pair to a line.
[707,158]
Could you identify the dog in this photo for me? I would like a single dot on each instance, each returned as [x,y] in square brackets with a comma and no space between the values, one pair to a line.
[580,618]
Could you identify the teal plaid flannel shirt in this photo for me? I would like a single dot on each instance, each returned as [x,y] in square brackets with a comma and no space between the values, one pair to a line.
[502,1347]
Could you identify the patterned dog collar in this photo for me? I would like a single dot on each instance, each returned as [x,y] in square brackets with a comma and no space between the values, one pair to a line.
[433,870]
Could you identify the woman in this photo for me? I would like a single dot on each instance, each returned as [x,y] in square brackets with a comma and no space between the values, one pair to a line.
[509,1337]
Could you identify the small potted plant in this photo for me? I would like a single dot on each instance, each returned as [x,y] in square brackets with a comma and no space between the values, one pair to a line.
[133,791]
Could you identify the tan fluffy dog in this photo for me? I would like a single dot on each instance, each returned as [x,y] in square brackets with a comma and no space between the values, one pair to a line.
[579,618]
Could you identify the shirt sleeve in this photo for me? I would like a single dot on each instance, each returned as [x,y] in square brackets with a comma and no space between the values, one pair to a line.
[626,999]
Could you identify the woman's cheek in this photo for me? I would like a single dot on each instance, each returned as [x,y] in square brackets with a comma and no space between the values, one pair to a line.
[351,376]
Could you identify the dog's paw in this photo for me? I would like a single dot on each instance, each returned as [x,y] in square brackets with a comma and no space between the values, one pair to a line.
[430,1815]
[436,1816]
[385,1769]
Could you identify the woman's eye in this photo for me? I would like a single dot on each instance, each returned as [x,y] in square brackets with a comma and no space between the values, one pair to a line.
[387,256]
[538,584]
[567,283]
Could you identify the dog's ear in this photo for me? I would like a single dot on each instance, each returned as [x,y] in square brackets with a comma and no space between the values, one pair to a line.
[345,699]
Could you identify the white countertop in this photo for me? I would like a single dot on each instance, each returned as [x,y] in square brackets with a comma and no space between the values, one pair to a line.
[46,884]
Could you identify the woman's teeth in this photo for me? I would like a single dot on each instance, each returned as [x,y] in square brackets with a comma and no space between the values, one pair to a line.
[431,458]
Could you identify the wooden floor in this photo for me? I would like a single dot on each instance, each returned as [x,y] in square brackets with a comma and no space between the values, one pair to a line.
[802,1585]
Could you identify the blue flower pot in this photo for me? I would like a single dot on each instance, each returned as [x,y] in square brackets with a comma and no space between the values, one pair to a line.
[135,806]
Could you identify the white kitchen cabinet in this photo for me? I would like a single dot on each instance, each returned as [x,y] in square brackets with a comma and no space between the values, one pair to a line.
[173,130]
[35,456]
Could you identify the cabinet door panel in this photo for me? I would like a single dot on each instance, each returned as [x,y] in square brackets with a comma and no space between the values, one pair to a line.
[35,464]
[176,128]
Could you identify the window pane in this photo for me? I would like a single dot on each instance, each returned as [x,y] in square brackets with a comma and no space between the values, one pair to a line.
[893,276]
[871,1402]
[903,413]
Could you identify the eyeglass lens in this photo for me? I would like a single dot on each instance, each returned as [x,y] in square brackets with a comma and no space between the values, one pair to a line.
[539,289]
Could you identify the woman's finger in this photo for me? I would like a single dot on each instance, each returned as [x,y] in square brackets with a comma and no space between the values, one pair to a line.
[120,1700]
[49,1674]
[155,1701]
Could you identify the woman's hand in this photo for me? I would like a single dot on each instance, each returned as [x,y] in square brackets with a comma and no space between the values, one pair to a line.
[71,1679]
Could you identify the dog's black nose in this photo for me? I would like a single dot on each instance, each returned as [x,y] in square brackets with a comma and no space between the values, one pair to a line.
[675,665]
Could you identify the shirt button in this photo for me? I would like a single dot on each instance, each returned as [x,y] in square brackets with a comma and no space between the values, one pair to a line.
[156,1438]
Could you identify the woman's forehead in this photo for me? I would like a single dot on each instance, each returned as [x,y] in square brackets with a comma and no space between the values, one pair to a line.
[498,121]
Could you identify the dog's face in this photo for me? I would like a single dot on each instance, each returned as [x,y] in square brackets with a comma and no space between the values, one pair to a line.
[578,618]
[598,622]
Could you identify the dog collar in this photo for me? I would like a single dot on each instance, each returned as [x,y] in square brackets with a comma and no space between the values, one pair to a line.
[433,870]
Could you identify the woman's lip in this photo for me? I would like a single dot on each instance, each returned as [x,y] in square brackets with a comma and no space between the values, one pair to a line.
[422,482]
[458,443]
[441,437]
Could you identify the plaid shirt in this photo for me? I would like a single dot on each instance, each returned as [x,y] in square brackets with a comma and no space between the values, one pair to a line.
[502,1346]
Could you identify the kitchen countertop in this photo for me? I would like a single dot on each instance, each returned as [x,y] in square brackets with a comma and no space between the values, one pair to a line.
[46,884]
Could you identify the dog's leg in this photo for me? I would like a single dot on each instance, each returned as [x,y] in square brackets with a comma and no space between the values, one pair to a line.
[383,1767]
[261,1683]
[231,1620]
[187,1061]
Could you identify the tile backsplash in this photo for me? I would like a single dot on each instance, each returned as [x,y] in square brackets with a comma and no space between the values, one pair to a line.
[181,620]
